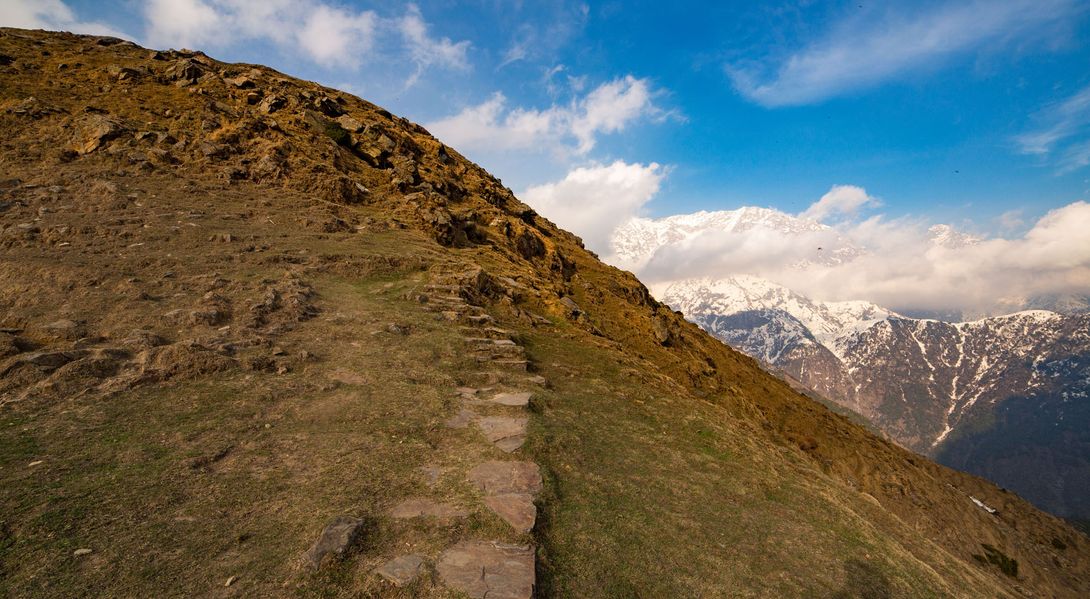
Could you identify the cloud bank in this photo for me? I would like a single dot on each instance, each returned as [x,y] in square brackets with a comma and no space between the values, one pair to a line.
[871,48]
[593,201]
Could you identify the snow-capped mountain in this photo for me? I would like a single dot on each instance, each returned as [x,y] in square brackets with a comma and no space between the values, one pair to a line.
[1004,397]
[635,242]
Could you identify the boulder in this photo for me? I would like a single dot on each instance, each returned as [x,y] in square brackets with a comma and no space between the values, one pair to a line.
[93,130]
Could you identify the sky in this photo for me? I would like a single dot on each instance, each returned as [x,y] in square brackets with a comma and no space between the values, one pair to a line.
[974,113]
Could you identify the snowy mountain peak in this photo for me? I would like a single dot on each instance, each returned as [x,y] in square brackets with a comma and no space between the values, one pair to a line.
[635,242]
[950,238]
[826,321]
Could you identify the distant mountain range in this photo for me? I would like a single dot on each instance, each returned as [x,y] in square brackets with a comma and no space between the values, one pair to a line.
[1004,397]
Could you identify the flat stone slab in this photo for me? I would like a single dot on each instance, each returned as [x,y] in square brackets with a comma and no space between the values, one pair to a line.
[518,400]
[401,570]
[461,419]
[338,539]
[470,391]
[517,509]
[498,478]
[505,432]
[483,569]
[419,507]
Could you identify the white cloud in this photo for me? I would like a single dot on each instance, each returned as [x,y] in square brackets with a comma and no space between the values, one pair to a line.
[324,32]
[425,50]
[53,15]
[592,201]
[183,22]
[334,36]
[571,128]
[863,51]
[841,200]
[1062,132]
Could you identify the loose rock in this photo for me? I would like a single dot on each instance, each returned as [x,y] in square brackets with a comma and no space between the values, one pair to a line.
[337,541]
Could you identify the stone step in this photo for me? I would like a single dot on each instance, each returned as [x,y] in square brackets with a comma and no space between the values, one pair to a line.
[498,477]
[517,399]
[488,569]
[516,509]
[401,570]
[505,432]
[489,332]
[478,319]
[515,365]
[493,352]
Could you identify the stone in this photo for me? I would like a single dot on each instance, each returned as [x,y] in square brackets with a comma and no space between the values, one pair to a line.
[426,508]
[349,124]
[538,380]
[461,419]
[488,569]
[241,82]
[93,130]
[338,540]
[505,432]
[271,103]
[498,478]
[517,400]
[466,391]
[81,552]
[517,509]
[401,570]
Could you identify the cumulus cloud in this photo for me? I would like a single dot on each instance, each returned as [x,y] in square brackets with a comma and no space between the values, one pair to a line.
[569,128]
[324,32]
[593,201]
[840,201]
[872,47]
[54,15]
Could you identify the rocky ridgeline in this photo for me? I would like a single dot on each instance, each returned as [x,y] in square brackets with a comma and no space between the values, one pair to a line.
[484,568]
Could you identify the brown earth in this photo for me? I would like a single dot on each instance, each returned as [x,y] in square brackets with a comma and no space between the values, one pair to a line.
[213,342]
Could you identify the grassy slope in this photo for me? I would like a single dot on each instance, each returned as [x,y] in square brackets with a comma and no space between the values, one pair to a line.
[673,470]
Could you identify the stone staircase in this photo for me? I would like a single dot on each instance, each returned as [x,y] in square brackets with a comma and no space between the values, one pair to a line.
[497,409]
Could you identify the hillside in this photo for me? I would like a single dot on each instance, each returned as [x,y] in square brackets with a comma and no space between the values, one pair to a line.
[1001,397]
[263,338]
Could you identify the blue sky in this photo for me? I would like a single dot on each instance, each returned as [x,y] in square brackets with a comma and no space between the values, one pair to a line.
[959,112]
